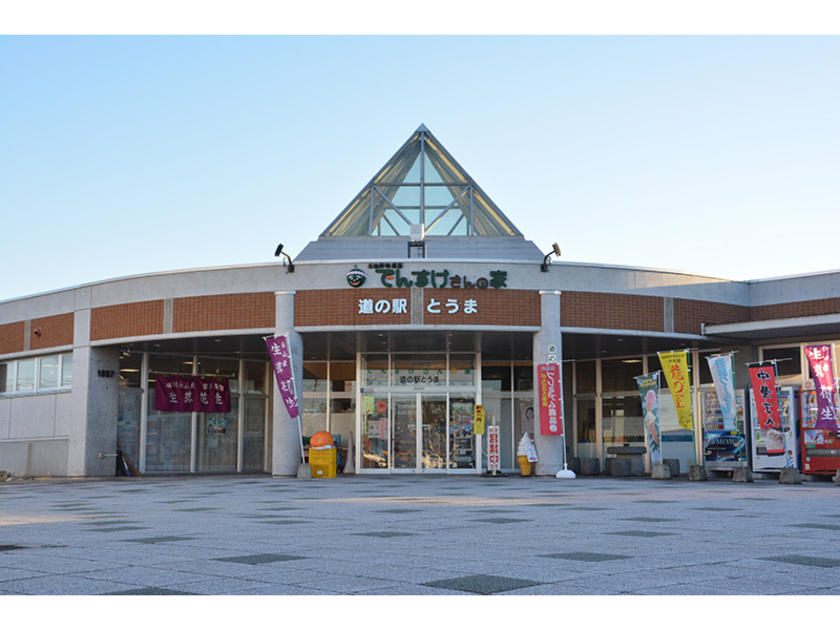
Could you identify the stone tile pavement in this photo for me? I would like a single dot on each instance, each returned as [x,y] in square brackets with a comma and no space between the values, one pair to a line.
[418,535]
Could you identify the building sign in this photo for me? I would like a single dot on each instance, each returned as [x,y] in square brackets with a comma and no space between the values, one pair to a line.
[392,276]
[675,367]
[494,458]
[820,360]
[191,393]
[551,401]
[281,359]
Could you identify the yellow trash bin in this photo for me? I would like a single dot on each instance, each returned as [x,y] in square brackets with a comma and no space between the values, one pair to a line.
[322,462]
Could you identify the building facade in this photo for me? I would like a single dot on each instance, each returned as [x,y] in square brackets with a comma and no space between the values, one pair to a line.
[419,302]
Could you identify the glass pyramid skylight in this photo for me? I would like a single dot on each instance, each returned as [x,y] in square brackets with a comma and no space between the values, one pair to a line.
[422,185]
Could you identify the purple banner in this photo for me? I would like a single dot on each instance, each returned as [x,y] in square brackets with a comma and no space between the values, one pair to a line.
[278,350]
[822,369]
[191,393]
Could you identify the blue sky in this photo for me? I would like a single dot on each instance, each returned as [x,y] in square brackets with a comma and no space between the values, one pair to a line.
[124,155]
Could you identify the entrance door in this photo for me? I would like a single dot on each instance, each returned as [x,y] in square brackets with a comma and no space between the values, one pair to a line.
[419,435]
[433,422]
[404,433]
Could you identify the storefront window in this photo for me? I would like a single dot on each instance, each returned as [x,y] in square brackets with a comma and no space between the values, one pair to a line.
[523,377]
[375,370]
[619,375]
[374,432]
[623,422]
[585,377]
[428,371]
[462,370]
[586,428]
[496,377]
[789,360]
[26,375]
[314,376]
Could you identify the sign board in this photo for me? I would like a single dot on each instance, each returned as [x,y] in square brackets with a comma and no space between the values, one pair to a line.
[494,460]
[478,425]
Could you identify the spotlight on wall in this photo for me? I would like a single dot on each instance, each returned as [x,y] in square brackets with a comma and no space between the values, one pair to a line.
[290,268]
[556,251]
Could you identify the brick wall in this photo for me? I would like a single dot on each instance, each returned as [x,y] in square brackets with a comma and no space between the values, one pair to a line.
[223,312]
[11,337]
[581,309]
[126,320]
[796,309]
[55,330]
[689,314]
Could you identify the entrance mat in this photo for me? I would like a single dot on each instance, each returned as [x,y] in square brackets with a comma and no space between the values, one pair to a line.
[650,519]
[262,558]
[835,528]
[150,590]
[384,534]
[808,561]
[153,540]
[642,534]
[482,584]
[585,556]
[501,520]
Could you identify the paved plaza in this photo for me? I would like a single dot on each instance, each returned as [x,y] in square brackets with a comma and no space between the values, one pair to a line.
[418,535]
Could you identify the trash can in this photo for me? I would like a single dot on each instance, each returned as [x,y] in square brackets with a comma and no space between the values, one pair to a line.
[322,461]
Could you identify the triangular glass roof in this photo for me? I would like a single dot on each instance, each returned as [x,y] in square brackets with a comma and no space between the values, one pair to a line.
[422,185]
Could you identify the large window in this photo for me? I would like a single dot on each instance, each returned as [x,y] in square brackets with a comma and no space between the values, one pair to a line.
[37,375]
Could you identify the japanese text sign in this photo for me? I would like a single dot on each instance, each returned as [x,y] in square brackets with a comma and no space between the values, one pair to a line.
[766,395]
[478,420]
[191,393]
[494,459]
[820,360]
[675,368]
[551,399]
[281,360]
[724,379]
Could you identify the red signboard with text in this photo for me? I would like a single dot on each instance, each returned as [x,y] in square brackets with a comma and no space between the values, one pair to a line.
[551,399]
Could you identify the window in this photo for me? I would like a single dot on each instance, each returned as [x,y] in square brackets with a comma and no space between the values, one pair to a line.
[36,375]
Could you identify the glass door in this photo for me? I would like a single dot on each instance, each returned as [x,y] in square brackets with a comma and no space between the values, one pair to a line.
[404,433]
[433,423]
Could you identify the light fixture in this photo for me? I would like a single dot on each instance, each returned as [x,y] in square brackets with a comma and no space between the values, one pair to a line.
[290,268]
[556,251]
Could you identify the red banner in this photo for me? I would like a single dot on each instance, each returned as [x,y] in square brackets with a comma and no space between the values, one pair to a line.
[192,393]
[551,399]
[766,395]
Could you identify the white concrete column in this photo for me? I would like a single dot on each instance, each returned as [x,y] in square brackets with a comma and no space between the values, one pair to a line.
[549,447]
[285,450]
[94,400]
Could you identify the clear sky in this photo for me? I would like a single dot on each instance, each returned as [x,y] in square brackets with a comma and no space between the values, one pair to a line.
[123,155]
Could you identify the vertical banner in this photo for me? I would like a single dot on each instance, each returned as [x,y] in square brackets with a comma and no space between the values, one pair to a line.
[551,400]
[675,367]
[649,390]
[821,362]
[278,349]
[724,379]
[494,459]
[765,388]
[478,420]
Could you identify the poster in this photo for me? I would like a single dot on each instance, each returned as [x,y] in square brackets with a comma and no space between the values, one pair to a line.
[649,391]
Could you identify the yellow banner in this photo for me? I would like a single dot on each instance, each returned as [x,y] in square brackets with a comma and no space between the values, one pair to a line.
[478,427]
[675,367]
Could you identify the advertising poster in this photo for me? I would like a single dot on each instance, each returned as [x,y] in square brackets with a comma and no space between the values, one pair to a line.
[550,397]
[724,380]
[192,393]
[675,368]
[821,362]
[494,460]
[649,390]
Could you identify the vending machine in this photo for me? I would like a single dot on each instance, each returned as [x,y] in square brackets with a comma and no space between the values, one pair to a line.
[820,446]
[772,449]
[722,449]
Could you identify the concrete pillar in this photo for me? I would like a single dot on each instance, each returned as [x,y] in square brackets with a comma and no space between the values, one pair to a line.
[94,400]
[549,447]
[285,453]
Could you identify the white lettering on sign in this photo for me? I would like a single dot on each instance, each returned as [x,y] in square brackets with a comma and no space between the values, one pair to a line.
[494,461]
[396,306]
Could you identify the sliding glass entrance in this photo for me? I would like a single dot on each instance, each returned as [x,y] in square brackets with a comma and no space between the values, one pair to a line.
[417,414]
